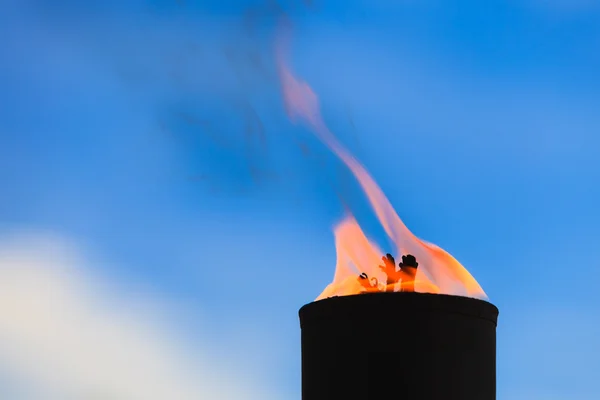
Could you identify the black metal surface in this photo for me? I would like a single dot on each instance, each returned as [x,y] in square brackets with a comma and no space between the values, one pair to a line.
[385,346]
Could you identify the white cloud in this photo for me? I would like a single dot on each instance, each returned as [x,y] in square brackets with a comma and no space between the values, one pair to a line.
[65,335]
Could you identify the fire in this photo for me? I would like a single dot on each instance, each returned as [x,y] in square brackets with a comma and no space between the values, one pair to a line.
[358,267]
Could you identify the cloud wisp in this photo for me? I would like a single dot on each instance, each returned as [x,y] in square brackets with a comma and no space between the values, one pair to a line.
[64,335]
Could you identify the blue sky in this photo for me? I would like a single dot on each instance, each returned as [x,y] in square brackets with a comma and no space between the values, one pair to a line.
[127,129]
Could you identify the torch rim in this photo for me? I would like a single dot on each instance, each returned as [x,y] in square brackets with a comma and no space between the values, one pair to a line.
[407,303]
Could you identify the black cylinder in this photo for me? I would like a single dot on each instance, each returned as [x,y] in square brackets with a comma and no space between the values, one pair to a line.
[402,345]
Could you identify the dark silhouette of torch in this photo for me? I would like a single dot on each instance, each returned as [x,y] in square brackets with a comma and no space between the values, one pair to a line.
[385,345]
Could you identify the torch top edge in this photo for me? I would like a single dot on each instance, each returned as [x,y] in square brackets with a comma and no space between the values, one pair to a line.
[404,302]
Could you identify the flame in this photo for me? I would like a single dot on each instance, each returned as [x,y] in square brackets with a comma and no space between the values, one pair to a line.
[439,272]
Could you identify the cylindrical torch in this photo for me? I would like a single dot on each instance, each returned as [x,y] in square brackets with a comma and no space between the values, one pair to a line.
[399,345]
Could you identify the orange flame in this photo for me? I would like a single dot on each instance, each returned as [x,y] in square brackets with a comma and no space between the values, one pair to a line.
[438,271]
